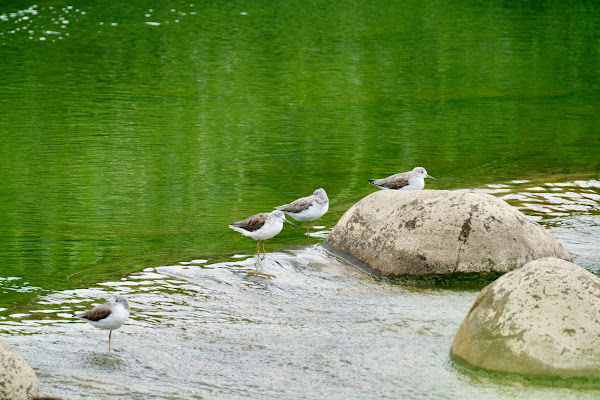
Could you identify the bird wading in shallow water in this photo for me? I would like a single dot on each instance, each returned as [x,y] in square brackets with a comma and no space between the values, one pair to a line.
[261,227]
[108,316]
[307,208]
[411,180]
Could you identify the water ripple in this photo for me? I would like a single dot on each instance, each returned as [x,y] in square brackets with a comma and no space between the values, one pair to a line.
[300,316]
[549,200]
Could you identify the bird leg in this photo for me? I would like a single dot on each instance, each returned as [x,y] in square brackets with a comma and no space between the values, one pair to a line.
[264,252]
[109,335]
[257,250]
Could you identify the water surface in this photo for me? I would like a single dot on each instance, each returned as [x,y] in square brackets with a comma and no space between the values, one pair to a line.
[132,134]
[301,323]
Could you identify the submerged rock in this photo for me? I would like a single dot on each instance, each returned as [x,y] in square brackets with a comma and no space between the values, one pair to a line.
[542,320]
[436,232]
[17,379]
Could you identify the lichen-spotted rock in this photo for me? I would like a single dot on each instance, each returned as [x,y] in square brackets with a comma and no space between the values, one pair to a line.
[542,320]
[435,232]
[17,379]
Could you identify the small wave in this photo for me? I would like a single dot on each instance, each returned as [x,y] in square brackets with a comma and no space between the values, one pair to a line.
[550,200]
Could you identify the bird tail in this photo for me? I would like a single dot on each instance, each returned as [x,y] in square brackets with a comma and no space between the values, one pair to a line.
[81,315]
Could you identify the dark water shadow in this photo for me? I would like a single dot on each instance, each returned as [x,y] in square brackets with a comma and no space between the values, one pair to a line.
[103,360]
[484,376]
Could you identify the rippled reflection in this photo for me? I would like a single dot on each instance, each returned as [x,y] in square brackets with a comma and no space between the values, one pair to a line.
[550,200]
[276,328]
[133,133]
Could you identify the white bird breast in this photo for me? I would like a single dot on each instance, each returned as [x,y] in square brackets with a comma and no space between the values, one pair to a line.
[117,317]
[315,211]
[267,231]
[416,183]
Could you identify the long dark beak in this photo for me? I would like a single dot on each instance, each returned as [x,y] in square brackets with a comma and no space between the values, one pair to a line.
[436,179]
[285,220]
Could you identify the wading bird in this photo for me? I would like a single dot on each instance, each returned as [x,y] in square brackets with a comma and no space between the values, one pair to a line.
[307,208]
[261,227]
[108,316]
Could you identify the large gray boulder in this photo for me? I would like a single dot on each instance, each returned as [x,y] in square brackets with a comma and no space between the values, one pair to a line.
[17,379]
[437,232]
[541,320]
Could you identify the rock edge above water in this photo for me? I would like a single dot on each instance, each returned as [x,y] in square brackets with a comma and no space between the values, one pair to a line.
[435,233]
[540,320]
[17,379]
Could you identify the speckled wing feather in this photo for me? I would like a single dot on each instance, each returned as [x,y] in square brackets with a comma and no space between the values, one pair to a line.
[298,205]
[252,223]
[97,313]
[397,181]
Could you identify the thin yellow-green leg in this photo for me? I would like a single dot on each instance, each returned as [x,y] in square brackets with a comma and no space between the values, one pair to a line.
[264,252]
[257,251]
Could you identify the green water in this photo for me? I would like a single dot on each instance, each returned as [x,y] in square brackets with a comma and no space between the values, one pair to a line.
[126,144]
[134,133]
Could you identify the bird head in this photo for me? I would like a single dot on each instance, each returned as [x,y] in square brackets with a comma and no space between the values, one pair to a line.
[422,172]
[278,214]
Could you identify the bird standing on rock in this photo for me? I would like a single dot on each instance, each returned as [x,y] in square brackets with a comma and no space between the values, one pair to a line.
[411,180]
[307,208]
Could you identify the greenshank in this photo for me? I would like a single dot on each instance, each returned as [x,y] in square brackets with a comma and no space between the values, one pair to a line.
[411,180]
[307,208]
[108,316]
[261,227]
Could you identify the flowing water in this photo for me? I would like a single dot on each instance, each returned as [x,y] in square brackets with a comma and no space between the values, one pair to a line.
[132,134]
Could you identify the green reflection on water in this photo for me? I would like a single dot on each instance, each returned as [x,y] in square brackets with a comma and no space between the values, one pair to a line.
[127,145]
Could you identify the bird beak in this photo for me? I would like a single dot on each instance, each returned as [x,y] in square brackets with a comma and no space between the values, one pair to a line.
[285,220]
[429,176]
